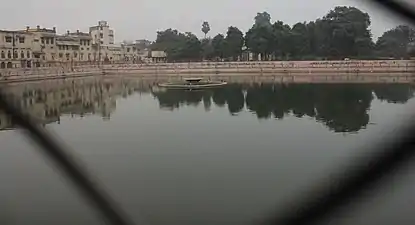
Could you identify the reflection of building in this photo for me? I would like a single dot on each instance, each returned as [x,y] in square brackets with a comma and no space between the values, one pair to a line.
[45,102]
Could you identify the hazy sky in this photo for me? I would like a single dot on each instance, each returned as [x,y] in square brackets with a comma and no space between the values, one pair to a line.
[137,19]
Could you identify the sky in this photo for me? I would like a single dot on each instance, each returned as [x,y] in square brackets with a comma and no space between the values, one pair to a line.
[141,19]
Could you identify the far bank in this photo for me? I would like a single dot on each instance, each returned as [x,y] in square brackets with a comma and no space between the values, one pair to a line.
[280,71]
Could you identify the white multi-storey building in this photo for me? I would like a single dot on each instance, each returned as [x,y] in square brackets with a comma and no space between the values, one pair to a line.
[102,34]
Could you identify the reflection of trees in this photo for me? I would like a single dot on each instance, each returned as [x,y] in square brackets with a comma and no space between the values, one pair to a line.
[175,98]
[341,107]
[394,93]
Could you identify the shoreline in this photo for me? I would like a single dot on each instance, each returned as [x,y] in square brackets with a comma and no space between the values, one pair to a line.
[379,71]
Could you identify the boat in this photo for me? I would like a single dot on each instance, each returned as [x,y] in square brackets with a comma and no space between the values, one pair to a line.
[192,83]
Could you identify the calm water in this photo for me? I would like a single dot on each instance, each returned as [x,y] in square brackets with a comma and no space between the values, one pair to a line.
[226,156]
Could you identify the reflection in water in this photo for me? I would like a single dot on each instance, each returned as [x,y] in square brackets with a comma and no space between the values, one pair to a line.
[47,102]
[209,178]
[341,107]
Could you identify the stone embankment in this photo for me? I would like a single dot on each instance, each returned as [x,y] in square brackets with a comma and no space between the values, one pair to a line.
[44,73]
[264,68]
[280,71]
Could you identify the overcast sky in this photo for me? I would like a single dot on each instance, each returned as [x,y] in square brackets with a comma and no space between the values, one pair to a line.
[137,19]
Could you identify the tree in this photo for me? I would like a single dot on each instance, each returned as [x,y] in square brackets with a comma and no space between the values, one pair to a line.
[260,38]
[208,52]
[218,45]
[205,28]
[234,42]
[263,19]
[300,41]
[396,43]
[282,46]
[178,46]
[347,32]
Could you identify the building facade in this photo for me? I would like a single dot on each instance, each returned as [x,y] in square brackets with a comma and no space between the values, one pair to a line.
[16,49]
[43,47]
[102,34]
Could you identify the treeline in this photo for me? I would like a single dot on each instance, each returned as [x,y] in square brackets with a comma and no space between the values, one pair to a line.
[341,107]
[342,33]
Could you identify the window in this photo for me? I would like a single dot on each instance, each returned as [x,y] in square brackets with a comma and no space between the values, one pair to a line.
[82,48]
[28,54]
[82,56]
[89,56]
[47,41]
[3,55]
[36,40]
[3,65]
[21,40]
[60,55]
[88,42]
[102,42]
[75,55]
[9,65]
[100,28]
[22,54]
[43,57]
[87,49]
[15,55]
[52,41]
[67,47]
[53,56]
[9,39]
[67,56]
[128,49]
[101,35]
[42,39]
[9,54]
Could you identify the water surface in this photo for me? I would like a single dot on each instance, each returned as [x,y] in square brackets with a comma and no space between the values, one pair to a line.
[224,156]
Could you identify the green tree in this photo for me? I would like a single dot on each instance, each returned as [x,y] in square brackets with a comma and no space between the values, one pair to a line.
[300,41]
[178,46]
[347,31]
[263,19]
[260,38]
[234,42]
[396,43]
[282,40]
[218,44]
[205,28]
[208,52]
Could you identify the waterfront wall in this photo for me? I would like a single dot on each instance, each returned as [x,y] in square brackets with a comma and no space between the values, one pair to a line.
[274,67]
[43,73]
[296,71]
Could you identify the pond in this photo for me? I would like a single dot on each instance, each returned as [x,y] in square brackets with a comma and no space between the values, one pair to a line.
[226,156]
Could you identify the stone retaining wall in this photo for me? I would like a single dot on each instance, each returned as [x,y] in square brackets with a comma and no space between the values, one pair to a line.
[299,70]
[275,67]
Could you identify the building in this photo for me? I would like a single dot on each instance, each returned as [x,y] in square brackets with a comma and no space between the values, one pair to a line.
[112,53]
[102,34]
[158,56]
[16,49]
[85,46]
[43,46]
